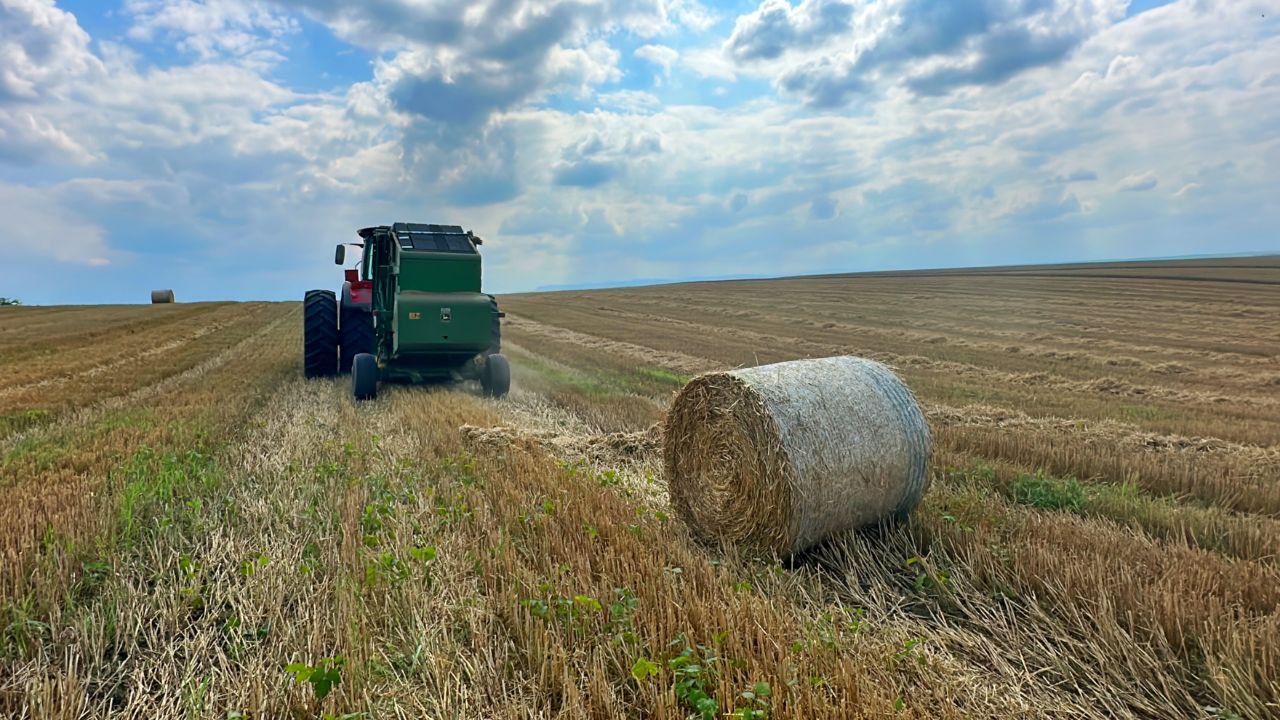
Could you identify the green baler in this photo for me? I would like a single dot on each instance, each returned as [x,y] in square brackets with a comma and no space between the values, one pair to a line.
[412,312]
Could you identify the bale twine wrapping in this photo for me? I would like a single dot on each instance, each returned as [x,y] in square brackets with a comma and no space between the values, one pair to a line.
[779,457]
[161,296]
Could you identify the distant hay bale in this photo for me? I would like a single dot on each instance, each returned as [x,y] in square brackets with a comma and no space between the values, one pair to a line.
[779,457]
[161,296]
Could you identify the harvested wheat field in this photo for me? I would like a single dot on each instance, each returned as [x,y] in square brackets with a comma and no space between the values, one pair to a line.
[192,530]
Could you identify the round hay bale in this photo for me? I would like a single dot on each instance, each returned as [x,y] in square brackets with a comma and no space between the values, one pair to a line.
[161,296]
[779,457]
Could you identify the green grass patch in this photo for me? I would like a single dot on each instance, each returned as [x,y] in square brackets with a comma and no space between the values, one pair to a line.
[1039,489]
[46,452]
[964,503]
[597,382]
[1141,413]
[23,420]
[663,376]
[162,491]
[1046,492]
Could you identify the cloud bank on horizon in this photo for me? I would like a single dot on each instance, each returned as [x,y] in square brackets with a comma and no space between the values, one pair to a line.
[221,147]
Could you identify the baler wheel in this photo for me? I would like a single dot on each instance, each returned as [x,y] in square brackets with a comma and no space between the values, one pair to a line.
[319,334]
[364,377]
[356,333]
[497,376]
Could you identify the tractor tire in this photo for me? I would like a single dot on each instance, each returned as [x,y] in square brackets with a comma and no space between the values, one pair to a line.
[355,336]
[496,380]
[495,332]
[319,334]
[364,377]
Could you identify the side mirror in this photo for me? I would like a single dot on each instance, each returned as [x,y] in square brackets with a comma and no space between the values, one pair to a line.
[340,255]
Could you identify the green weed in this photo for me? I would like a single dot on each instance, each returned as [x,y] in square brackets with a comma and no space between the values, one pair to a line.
[664,376]
[693,679]
[753,704]
[644,668]
[1046,492]
[251,566]
[460,470]
[23,420]
[162,491]
[386,569]
[22,632]
[323,676]
[909,653]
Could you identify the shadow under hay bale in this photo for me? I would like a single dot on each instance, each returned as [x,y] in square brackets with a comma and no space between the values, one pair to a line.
[778,458]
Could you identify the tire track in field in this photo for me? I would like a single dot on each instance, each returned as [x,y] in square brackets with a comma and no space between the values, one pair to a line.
[96,370]
[1099,387]
[64,332]
[967,415]
[926,330]
[1084,360]
[90,413]
[957,308]
[676,361]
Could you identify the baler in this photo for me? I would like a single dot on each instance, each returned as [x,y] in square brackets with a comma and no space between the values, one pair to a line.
[412,312]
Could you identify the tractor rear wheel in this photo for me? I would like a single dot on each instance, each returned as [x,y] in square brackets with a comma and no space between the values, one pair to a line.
[319,334]
[356,333]
[364,377]
[496,380]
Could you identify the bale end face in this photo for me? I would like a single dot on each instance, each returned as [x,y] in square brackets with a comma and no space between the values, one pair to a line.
[728,474]
[161,296]
[780,457]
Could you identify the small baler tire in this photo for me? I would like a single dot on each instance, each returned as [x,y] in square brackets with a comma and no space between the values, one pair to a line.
[497,376]
[319,334]
[364,377]
[355,336]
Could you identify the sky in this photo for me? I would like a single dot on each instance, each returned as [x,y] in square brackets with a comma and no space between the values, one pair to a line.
[222,147]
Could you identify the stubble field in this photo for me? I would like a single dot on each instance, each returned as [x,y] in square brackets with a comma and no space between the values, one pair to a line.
[190,529]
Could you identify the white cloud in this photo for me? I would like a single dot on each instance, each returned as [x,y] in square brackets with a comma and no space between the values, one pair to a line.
[39,225]
[580,70]
[631,101]
[1189,190]
[42,48]
[44,56]
[1139,183]
[660,55]
[461,63]
[26,137]
[709,63]
[245,30]
[830,51]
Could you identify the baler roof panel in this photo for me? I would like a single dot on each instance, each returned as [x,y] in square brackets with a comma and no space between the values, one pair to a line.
[433,238]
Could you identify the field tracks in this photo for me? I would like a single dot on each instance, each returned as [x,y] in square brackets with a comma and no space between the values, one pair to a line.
[92,366]
[162,383]
[1101,537]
